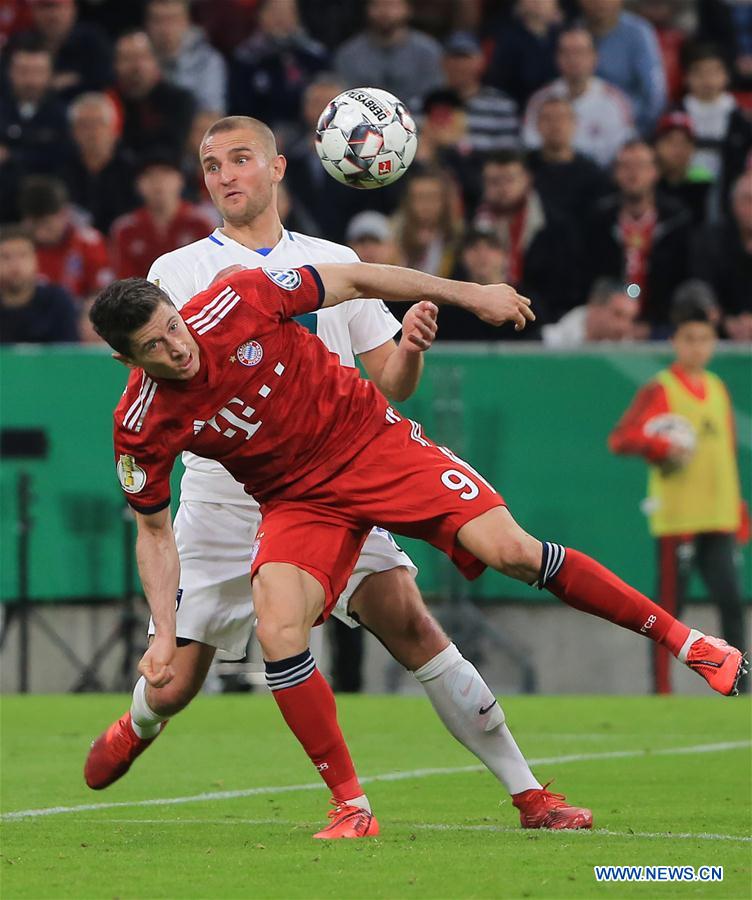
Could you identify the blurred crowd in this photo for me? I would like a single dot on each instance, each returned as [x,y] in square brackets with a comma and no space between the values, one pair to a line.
[597,154]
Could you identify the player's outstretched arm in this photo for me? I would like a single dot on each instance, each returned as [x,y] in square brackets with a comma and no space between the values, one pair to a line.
[159,568]
[491,303]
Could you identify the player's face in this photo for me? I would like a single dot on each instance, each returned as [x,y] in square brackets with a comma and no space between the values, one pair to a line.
[694,343]
[239,175]
[164,347]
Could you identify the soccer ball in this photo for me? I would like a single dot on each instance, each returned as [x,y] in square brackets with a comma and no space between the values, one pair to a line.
[678,430]
[366,138]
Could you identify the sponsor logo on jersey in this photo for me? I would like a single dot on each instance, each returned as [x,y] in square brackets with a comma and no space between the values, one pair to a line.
[250,353]
[131,476]
[288,279]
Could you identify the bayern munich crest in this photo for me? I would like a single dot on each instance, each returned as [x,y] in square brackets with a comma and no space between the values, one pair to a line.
[250,353]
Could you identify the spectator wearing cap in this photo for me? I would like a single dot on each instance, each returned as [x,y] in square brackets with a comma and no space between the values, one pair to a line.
[629,57]
[484,260]
[428,223]
[100,173]
[722,256]
[164,223]
[391,55]
[723,133]
[369,234]
[444,142]
[33,124]
[604,112]
[566,180]
[681,180]
[640,238]
[155,114]
[609,315]
[69,253]
[542,243]
[185,55]
[80,51]
[524,49]
[272,67]
[492,115]
[31,311]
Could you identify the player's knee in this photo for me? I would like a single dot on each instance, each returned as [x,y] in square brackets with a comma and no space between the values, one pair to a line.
[280,639]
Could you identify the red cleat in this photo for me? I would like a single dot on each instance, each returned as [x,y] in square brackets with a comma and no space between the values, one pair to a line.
[720,664]
[539,808]
[113,752]
[349,822]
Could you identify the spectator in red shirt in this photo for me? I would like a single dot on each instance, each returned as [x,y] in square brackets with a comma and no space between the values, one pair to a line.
[165,221]
[70,253]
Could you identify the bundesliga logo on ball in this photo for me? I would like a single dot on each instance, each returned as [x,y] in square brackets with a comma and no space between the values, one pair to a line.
[366,138]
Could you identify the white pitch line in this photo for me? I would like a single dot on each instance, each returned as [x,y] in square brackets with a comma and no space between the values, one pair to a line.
[438,826]
[370,779]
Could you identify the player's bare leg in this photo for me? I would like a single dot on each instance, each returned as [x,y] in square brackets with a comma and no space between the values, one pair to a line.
[497,540]
[288,601]
[390,605]
[113,752]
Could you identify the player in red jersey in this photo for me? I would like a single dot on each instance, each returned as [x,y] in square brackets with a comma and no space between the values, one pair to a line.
[232,378]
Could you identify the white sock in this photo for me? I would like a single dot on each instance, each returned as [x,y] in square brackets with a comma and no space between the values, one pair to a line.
[146,723]
[458,694]
[361,802]
[693,636]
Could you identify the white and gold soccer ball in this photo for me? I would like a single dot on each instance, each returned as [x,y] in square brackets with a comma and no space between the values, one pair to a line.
[366,138]
[675,428]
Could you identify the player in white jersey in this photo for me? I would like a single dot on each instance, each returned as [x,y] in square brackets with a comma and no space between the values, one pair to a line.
[215,526]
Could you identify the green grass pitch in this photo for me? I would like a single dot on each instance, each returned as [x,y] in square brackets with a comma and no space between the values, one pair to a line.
[668,780]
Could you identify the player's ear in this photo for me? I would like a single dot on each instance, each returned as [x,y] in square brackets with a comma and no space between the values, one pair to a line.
[279,167]
[125,360]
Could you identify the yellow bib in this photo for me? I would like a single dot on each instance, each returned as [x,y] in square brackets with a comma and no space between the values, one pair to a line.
[705,494]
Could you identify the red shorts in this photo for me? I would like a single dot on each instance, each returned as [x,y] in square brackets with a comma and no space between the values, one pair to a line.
[401,481]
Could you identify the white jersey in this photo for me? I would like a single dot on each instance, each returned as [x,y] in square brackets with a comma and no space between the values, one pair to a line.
[348,329]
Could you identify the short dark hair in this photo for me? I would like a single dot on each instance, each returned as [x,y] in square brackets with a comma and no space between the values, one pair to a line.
[123,307]
[15,232]
[507,158]
[474,236]
[693,301]
[42,195]
[603,289]
[29,43]
[700,52]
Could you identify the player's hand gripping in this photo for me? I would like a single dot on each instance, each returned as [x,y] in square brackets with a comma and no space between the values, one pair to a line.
[497,304]
[419,326]
[155,664]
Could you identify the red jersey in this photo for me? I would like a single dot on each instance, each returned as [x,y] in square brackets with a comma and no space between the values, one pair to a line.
[269,402]
[80,262]
[137,241]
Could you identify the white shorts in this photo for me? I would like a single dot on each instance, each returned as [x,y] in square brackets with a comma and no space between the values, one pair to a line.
[214,541]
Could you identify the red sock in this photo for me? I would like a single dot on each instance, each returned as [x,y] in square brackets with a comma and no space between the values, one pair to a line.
[307,703]
[590,587]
